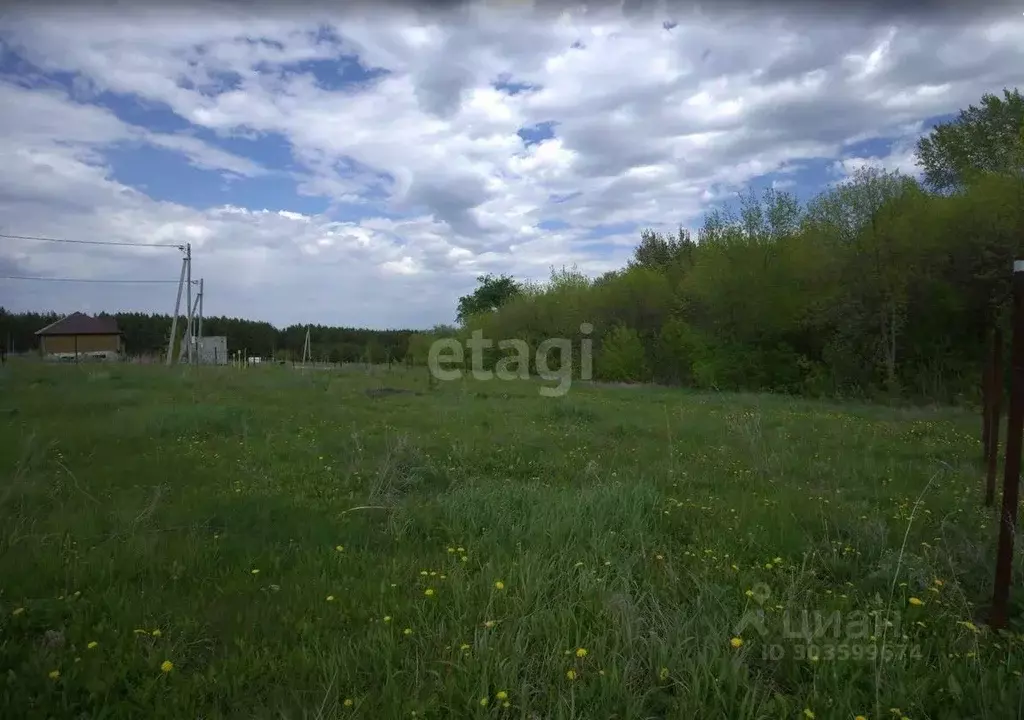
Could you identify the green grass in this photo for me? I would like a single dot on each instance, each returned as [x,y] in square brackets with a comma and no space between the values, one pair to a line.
[630,522]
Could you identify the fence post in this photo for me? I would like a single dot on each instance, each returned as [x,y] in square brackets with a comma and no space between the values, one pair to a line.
[1011,464]
[995,402]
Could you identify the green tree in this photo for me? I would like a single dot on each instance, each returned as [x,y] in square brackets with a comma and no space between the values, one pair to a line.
[982,139]
[493,292]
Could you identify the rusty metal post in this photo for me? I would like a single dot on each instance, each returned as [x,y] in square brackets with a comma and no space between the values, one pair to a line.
[986,400]
[1011,465]
[995,401]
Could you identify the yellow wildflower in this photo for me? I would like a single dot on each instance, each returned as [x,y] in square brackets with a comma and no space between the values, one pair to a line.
[736,642]
[18,611]
[407,631]
[916,601]
[808,714]
[429,592]
[464,647]
[339,548]
[255,571]
[348,702]
[489,624]
[502,695]
[571,674]
[92,644]
[581,652]
[483,702]
[663,674]
[499,585]
[156,633]
[387,618]
[330,598]
[54,674]
[166,666]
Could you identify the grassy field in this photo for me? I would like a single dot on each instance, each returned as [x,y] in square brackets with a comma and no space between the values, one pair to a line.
[267,543]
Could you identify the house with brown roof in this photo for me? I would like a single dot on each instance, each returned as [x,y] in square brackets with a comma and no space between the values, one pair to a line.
[80,336]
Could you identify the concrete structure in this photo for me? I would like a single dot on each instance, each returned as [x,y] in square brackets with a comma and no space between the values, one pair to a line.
[210,350]
[213,350]
[81,337]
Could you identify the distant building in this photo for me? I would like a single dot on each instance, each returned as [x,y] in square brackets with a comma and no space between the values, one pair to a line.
[210,350]
[79,336]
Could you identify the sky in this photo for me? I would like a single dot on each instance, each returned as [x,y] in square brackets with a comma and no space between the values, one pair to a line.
[363,167]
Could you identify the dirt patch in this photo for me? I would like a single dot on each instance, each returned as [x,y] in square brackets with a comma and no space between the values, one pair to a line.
[386,392]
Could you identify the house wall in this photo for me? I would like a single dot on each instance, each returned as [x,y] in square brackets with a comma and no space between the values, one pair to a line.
[66,344]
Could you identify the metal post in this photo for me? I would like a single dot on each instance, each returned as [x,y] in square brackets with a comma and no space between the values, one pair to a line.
[1011,465]
[200,330]
[174,319]
[986,400]
[188,301]
[995,400]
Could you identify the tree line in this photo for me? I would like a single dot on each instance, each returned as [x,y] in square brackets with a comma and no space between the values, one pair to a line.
[880,285]
[148,334]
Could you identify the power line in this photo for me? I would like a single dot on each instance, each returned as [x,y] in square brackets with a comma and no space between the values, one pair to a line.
[89,242]
[86,280]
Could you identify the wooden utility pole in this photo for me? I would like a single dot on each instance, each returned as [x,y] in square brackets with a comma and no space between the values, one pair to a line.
[1011,464]
[994,378]
[174,319]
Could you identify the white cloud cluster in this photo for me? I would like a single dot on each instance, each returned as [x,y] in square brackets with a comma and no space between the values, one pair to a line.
[651,125]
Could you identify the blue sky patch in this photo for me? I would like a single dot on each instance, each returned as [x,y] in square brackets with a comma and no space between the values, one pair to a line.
[540,132]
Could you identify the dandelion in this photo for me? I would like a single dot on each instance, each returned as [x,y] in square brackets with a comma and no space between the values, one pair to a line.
[54,674]
[969,625]
[736,642]
[156,633]
[502,695]
[581,652]
[407,631]
[663,674]
[339,548]
[749,593]
[483,702]
[860,717]
[571,674]
[18,611]
[348,702]
[809,714]
[499,585]
[92,645]
[330,598]
[916,601]
[429,592]
[464,647]
[387,618]
[166,666]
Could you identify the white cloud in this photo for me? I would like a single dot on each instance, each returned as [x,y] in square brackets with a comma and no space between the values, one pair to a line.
[652,125]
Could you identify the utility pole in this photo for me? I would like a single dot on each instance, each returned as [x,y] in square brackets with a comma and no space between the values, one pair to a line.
[188,300]
[174,318]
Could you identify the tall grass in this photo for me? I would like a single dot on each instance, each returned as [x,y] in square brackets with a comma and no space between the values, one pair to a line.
[274,536]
